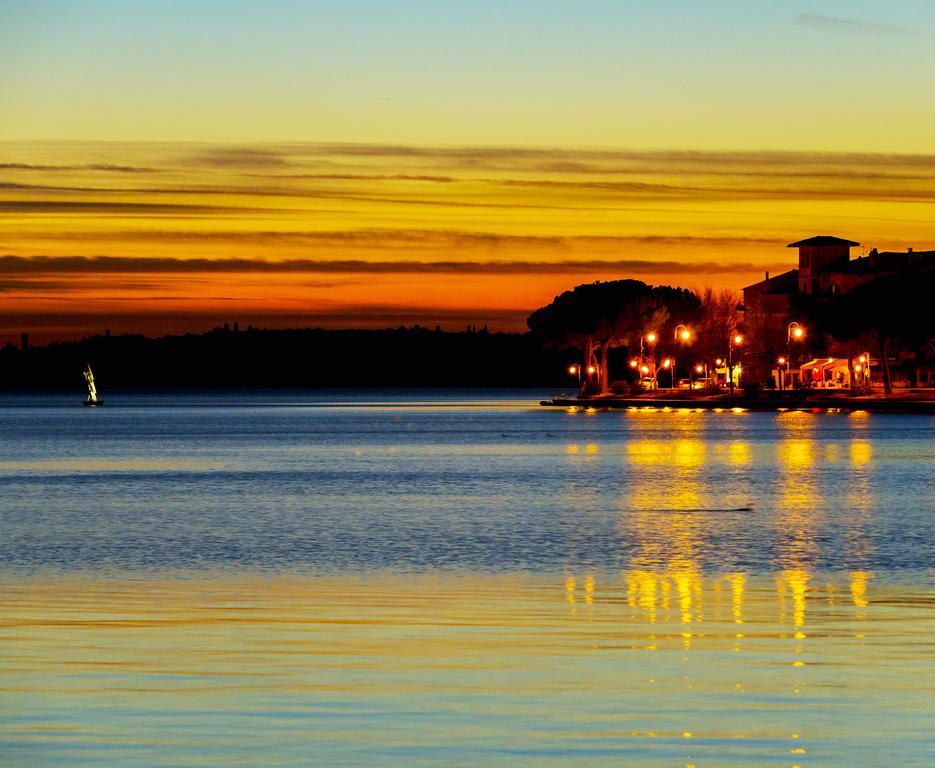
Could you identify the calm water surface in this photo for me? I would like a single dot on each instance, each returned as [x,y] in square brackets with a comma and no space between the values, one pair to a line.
[453,579]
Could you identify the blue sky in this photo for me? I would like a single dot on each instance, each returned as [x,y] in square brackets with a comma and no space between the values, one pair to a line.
[714,75]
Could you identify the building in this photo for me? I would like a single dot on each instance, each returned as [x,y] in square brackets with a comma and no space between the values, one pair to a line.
[773,306]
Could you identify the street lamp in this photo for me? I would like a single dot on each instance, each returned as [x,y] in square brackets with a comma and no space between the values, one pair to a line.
[669,365]
[863,368]
[650,338]
[683,335]
[782,362]
[644,370]
[734,341]
[575,370]
[794,332]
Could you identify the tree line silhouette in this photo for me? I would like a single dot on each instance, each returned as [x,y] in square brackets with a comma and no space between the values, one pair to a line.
[230,357]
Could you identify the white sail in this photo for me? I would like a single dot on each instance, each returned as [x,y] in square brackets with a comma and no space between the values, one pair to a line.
[92,389]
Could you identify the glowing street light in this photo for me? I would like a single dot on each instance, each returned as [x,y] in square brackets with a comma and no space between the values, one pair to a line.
[782,372]
[649,338]
[862,367]
[591,370]
[670,367]
[735,341]
[634,363]
[683,335]
[794,332]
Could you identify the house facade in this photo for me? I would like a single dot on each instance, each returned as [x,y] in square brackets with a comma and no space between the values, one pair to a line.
[774,307]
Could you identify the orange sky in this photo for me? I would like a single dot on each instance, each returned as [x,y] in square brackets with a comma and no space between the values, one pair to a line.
[483,156]
[169,237]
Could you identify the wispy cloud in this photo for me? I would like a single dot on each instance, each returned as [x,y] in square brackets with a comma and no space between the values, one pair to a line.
[41,265]
[127,208]
[849,26]
[241,157]
[441,239]
[106,167]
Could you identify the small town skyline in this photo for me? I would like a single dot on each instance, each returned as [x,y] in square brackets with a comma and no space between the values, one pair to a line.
[832,322]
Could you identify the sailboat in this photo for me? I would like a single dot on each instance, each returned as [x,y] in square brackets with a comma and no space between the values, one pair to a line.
[92,389]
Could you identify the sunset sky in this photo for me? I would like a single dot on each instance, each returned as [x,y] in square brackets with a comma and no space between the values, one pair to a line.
[169,166]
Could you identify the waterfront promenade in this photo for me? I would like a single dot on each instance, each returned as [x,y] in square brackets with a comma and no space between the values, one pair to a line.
[914,401]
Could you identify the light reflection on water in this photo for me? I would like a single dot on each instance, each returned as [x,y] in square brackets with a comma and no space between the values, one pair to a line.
[658,668]
[458,584]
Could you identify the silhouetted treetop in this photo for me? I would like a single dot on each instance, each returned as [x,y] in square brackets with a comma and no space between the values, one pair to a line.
[596,317]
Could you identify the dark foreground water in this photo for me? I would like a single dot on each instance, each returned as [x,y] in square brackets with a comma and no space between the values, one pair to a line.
[448,579]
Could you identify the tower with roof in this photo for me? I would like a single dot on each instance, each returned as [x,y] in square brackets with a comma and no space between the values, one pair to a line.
[818,257]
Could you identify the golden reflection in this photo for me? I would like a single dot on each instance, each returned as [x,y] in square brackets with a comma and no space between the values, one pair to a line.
[689,453]
[799,516]
[859,588]
[738,453]
[220,643]
[860,453]
[665,520]
[796,581]
[642,587]
[737,583]
[647,452]
[858,506]
[799,493]
[667,512]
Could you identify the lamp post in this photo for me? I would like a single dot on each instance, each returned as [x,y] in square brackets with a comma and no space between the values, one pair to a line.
[699,368]
[670,366]
[735,340]
[651,339]
[644,372]
[794,332]
[683,335]
[575,370]
[782,362]
[863,368]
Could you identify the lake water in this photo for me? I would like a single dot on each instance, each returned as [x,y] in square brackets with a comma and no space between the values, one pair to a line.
[240,579]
